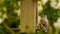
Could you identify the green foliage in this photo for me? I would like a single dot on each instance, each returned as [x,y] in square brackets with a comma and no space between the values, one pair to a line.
[2,30]
[8,7]
[51,13]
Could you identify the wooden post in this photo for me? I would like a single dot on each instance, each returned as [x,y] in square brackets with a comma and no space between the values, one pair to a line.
[28,16]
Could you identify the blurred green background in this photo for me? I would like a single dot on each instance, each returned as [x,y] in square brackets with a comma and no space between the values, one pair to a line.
[10,15]
[51,8]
